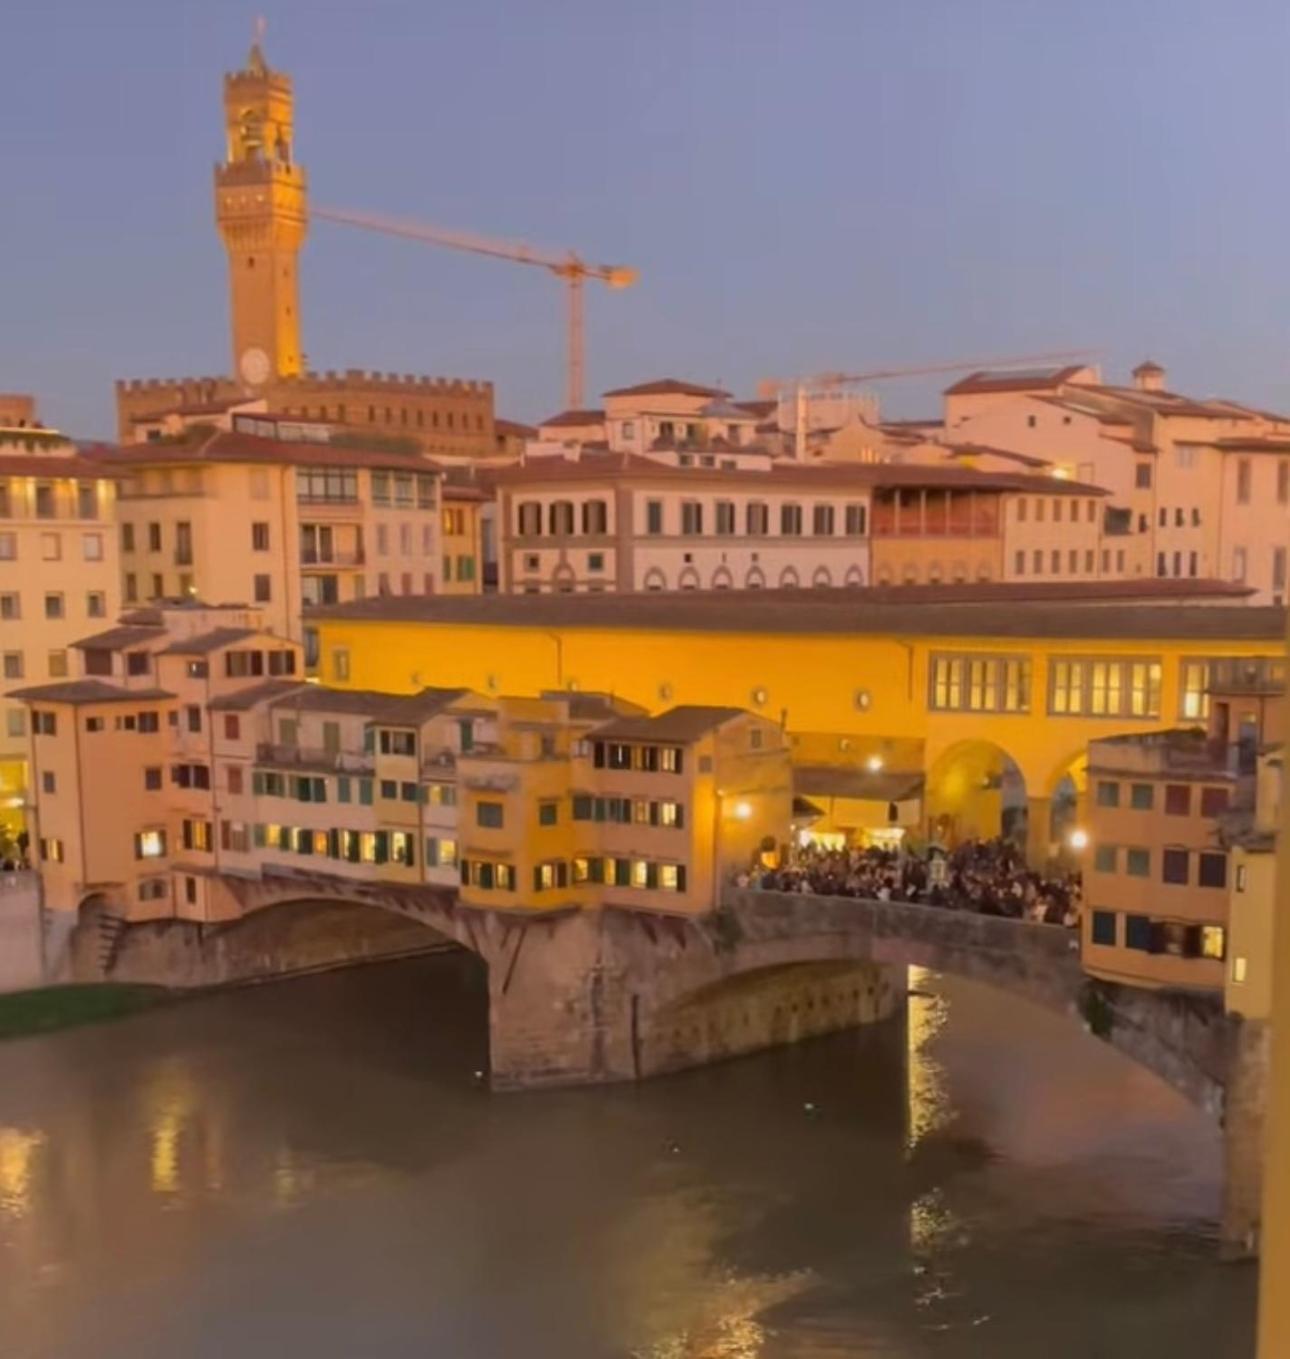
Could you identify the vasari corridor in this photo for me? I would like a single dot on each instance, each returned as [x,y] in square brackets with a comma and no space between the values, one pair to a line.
[508,852]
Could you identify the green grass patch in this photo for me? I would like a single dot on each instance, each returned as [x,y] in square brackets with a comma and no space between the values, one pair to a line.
[63,1007]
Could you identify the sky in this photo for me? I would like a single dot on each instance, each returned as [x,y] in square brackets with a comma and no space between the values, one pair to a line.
[809,185]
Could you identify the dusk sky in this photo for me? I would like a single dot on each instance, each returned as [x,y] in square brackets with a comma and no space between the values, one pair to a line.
[804,185]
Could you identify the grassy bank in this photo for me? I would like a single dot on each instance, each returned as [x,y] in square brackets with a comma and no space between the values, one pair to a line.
[63,1007]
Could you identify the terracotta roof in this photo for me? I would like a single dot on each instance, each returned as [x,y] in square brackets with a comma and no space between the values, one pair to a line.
[1024,380]
[687,722]
[763,410]
[1248,444]
[118,639]
[374,704]
[235,447]
[203,643]
[819,476]
[87,691]
[666,386]
[50,465]
[458,490]
[1171,403]
[986,450]
[985,611]
[567,419]
[513,429]
[242,700]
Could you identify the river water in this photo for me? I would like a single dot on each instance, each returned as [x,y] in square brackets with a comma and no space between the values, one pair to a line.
[312,1169]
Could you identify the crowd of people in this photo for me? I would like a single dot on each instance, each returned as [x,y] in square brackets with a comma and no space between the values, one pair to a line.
[987,876]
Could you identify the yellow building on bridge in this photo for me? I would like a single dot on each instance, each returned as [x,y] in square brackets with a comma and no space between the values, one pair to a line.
[999,690]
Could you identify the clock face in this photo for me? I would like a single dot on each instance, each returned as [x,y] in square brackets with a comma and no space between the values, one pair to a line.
[255,366]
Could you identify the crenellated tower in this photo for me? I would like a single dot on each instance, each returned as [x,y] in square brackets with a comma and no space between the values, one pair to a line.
[260,207]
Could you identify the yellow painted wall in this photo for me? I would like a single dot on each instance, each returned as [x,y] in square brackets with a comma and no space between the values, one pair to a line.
[874,687]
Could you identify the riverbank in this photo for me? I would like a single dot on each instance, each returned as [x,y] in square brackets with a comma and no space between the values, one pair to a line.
[65,1007]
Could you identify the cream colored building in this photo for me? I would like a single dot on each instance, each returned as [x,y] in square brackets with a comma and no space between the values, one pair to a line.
[264,515]
[58,577]
[1196,488]
[594,521]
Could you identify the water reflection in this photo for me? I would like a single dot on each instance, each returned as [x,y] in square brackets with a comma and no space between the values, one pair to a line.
[312,1167]
[18,1149]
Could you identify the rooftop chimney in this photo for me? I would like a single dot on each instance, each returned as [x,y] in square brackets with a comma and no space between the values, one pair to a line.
[1149,377]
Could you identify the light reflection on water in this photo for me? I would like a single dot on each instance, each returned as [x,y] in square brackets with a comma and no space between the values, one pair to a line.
[312,1167]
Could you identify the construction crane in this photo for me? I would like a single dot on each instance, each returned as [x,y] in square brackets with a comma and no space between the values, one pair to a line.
[570,267]
[817,381]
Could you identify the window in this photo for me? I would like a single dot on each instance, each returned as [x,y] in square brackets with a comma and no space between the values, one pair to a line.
[1142,796]
[92,547]
[52,850]
[336,484]
[259,537]
[340,664]
[1177,799]
[1104,931]
[193,715]
[1104,688]
[1137,932]
[1240,564]
[8,547]
[1192,690]
[95,604]
[154,537]
[490,814]
[1212,870]
[1173,867]
[1108,793]
[150,844]
[1213,801]
[138,663]
[1213,943]
[1142,476]
[158,587]
[10,606]
[855,518]
[196,835]
[1019,563]
[790,520]
[1106,858]
[131,588]
[57,665]
[11,665]
[263,589]
[691,517]
[48,782]
[969,682]
[595,517]
[152,779]
[232,727]
[234,778]
[1278,568]
[54,605]
[548,813]
[44,724]
[654,517]
[1244,470]
[398,743]
[15,721]
[756,519]
[560,517]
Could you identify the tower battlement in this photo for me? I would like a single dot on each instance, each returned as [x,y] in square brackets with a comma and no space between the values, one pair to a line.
[362,380]
[180,386]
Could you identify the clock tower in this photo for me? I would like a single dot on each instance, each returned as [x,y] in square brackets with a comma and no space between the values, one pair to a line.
[262,216]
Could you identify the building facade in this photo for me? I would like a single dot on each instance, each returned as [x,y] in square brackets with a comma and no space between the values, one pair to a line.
[59,576]
[282,523]
[228,769]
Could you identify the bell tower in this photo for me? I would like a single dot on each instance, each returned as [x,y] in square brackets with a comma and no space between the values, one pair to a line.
[262,216]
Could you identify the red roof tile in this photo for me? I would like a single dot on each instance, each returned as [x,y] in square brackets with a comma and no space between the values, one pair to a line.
[666,386]
[987,380]
[569,418]
[223,447]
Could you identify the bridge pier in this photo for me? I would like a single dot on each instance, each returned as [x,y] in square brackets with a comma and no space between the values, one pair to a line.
[1244,1109]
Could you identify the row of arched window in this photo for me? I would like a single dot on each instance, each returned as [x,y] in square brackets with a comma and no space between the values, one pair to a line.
[753,579]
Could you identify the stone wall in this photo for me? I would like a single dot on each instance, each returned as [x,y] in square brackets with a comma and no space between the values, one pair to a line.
[279,941]
[22,957]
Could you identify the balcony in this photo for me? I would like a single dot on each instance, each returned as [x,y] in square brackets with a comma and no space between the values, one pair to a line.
[1247,675]
[313,758]
[315,557]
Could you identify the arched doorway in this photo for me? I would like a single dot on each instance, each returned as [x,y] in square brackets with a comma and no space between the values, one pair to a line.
[975,789]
